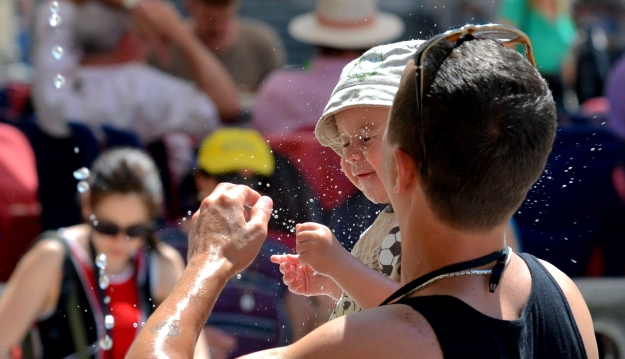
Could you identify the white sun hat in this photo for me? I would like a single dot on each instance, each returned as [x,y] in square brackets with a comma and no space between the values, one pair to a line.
[346,24]
[370,80]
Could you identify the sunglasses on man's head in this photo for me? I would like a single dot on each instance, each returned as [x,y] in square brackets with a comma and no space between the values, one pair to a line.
[503,34]
[112,229]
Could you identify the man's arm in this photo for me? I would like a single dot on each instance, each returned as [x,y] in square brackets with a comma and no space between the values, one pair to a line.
[221,244]
[208,73]
[394,331]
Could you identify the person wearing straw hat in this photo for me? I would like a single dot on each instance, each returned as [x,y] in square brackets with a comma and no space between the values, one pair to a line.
[291,100]
[469,133]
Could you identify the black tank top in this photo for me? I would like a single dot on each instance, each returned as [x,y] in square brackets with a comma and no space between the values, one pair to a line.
[55,333]
[546,328]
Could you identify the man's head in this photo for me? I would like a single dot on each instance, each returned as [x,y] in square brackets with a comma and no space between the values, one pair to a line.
[214,20]
[103,30]
[488,125]
[100,28]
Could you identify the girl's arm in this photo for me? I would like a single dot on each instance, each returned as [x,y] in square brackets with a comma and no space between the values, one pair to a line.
[29,292]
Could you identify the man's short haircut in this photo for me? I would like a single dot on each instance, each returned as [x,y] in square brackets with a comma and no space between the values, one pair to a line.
[218,3]
[489,125]
[99,27]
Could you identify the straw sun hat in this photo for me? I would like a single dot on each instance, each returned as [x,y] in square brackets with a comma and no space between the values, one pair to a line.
[346,24]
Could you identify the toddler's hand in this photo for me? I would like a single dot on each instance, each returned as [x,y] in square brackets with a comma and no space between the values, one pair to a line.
[318,248]
[303,280]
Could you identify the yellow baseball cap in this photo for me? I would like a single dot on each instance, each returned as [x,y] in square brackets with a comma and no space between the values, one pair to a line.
[230,150]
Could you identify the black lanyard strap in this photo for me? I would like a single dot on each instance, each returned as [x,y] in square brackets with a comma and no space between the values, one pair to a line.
[500,257]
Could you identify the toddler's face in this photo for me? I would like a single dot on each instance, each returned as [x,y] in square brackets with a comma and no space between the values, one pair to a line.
[361,130]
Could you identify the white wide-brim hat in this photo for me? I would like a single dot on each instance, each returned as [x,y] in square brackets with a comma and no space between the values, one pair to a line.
[371,80]
[346,24]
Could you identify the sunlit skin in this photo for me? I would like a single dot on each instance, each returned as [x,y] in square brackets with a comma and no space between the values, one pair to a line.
[216,26]
[124,210]
[361,130]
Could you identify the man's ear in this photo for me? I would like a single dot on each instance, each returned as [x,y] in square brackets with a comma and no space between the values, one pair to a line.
[406,170]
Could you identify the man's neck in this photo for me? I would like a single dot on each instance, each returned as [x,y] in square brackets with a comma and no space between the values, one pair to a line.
[431,244]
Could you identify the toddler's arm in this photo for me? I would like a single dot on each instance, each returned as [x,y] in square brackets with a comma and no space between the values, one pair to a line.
[321,251]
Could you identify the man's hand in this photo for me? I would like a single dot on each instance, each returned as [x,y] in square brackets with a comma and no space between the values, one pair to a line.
[220,232]
[303,280]
[318,248]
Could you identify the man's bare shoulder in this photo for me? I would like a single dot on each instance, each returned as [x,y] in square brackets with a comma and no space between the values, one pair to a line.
[393,331]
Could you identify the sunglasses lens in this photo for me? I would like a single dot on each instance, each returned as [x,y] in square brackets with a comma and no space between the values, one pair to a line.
[109,229]
[138,231]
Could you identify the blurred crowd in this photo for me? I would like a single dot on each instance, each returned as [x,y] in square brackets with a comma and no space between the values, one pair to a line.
[230,91]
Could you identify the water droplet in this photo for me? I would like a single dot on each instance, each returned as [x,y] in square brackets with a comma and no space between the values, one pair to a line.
[57,52]
[76,150]
[106,343]
[101,261]
[573,260]
[311,200]
[592,149]
[107,300]
[135,325]
[81,173]
[55,20]
[104,282]
[239,276]
[59,81]
[184,219]
[537,220]
[109,321]
[247,302]
[189,213]
[142,323]
[92,217]
[54,7]
[83,186]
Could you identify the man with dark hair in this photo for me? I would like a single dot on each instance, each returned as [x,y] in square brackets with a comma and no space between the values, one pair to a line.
[90,67]
[469,133]
[249,49]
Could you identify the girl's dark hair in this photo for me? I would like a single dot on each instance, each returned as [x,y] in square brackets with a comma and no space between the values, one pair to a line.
[127,171]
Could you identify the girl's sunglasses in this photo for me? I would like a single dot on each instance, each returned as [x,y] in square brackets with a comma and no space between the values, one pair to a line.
[503,34]
[112,229]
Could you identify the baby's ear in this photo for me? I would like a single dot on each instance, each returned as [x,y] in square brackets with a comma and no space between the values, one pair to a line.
[405,170]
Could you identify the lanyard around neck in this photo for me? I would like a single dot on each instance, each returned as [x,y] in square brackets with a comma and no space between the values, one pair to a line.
[495,277]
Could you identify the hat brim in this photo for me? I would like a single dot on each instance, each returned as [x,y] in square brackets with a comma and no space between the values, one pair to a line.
[385,28]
